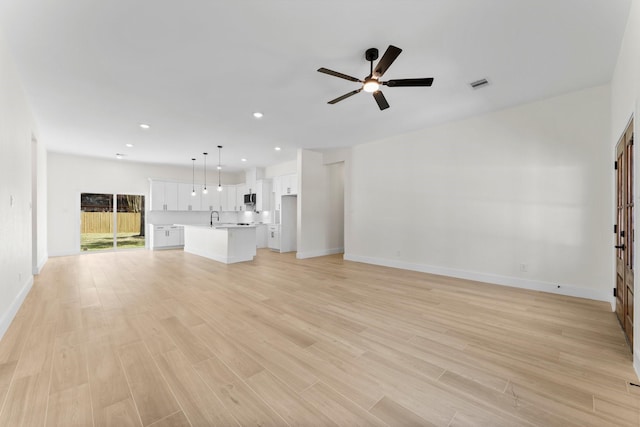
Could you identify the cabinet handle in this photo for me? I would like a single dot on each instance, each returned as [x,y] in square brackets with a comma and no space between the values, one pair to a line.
[620,247]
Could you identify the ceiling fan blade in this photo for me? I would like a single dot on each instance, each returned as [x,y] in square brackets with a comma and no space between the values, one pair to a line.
[387,59]
[409,82]
[381,100]
[337,74]
[345,96]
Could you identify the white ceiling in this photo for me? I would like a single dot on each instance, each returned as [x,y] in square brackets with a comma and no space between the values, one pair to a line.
[196,70]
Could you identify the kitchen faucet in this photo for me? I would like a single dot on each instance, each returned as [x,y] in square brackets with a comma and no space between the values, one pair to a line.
[211,221]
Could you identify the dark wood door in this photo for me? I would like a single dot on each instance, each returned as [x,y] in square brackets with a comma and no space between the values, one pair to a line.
[625,232]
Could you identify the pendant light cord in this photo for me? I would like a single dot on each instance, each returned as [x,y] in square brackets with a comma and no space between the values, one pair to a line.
[219,167]
[204,190]
[193,176]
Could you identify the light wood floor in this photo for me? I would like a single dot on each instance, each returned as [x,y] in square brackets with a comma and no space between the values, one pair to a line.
[172,339]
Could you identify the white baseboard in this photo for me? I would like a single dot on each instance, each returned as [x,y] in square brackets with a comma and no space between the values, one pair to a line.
[516,282]
[636,364]
[65,253]
[8,317]
[41,262]
[324,252]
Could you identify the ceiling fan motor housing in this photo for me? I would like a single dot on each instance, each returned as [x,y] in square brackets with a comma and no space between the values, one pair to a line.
[371,54]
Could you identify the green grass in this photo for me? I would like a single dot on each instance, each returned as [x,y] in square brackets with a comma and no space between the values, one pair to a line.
[101,241]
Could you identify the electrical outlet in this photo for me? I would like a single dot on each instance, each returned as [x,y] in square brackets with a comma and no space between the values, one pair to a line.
[524,267]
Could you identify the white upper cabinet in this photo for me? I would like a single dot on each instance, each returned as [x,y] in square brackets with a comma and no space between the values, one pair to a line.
[211,200]
[263,195]
[171,195]
[241,190]
[277,192]
[289,184]
[228,198]
[251,179]
[164,196]
[186,201]
[157,196]
[174,196]
[284,185]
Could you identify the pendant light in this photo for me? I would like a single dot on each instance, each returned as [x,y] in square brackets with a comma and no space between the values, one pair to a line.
[219,168]
[193,177]
[204,190]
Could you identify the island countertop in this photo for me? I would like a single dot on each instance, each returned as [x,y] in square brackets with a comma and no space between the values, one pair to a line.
[220,225]
[227,243]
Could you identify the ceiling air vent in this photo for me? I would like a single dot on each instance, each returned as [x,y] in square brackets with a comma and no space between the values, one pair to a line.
[479,83]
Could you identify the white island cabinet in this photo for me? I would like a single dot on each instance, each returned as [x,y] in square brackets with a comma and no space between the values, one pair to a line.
[223,243]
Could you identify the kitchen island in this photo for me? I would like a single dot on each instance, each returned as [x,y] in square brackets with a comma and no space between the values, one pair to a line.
[227,243]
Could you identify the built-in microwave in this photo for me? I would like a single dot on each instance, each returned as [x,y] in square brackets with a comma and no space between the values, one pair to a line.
[250,199]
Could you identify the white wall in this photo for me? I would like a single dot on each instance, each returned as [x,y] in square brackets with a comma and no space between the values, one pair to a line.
[39,205]
[334,175]
[320,206]
[70,175]
[625,102]
[527,188]
[17,127]
[279,169]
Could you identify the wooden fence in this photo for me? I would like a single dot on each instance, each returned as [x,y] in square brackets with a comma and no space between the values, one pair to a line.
[102,222]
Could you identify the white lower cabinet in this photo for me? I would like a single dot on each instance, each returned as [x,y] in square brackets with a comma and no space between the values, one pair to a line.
[273,237]
[166,236]
[261,235]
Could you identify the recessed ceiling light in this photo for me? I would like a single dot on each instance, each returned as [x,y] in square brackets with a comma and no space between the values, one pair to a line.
[243,160]
[144,126]
[258,115]
[129,145]
[119,155]
[277,148]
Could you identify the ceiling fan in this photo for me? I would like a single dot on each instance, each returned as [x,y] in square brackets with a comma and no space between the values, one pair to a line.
[372,82]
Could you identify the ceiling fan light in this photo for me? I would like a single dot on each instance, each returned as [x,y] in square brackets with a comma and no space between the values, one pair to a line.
[371,86]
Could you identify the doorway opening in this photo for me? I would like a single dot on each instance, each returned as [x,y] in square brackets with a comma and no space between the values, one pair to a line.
[111,221]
